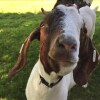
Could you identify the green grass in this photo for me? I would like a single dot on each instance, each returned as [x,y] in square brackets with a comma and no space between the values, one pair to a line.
[14,29]
[16,22]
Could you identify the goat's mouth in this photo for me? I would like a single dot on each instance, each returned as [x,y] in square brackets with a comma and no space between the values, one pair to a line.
[63,56]
[69,61]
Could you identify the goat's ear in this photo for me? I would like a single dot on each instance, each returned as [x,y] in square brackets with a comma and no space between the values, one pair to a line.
[44,12]
[21,62]
[88,60]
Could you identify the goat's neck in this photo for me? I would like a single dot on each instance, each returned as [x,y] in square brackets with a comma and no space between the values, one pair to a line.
[52,78]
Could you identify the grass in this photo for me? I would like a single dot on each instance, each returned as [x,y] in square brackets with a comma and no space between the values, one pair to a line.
[16,22]
[14,29]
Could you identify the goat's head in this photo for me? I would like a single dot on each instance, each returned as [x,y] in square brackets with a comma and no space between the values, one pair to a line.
[60,39]
[59,35]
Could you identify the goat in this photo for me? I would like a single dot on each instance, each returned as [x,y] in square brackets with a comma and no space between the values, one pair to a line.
[67,54]
[80,3]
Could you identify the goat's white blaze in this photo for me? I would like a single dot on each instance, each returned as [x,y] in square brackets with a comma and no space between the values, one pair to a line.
[72,22]
[89,17]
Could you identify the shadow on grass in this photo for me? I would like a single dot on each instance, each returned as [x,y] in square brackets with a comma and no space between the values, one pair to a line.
[14,28]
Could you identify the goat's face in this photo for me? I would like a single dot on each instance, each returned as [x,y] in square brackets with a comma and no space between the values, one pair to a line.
[60,39]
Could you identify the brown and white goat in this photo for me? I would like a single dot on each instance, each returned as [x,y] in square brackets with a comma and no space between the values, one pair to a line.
[67,55]
[80,3]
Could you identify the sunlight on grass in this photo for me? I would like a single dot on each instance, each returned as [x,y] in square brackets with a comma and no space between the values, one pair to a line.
[3,99]
[6,57]
[96,3]
[1,30]
[34,6]
[4,76]
[25,6]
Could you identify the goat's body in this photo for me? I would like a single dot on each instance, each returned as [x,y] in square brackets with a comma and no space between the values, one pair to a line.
[36,90]
[64,36]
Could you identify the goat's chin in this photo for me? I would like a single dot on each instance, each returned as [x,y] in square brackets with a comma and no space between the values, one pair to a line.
[65,66]
[65,62]
[66,70]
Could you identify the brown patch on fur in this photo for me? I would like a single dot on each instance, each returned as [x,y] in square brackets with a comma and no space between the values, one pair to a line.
[50,28]
[49,64]
[21,62]
[85,66]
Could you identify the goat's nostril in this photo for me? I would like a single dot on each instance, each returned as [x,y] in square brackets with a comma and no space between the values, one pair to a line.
[59,43]
[70,47]
[66,44]
[73,46]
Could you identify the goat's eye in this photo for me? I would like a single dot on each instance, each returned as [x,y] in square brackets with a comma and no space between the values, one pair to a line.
[44,26]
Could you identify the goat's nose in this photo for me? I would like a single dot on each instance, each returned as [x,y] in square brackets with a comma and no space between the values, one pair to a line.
[68,43]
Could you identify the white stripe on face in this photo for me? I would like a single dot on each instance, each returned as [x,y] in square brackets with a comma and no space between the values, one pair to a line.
[72,23]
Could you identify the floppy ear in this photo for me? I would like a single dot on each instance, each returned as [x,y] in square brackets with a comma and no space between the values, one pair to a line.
[88,60]
[21,62]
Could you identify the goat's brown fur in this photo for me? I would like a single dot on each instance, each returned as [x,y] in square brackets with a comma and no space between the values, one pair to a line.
[21,62]
[85,66]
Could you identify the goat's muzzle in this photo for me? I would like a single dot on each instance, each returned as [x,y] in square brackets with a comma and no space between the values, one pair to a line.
[68,43]
[64,49]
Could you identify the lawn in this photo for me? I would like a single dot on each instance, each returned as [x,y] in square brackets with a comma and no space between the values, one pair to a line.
[17,19]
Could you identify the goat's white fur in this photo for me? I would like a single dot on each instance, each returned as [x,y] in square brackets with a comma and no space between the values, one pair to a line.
[89,17]
[35,90]
[73,21]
